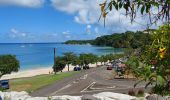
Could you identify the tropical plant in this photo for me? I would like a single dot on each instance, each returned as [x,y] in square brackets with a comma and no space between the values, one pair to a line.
[87,58]
[8,64]
[103,58]
[69,57]
[155,59]
[59,64]
[134,7]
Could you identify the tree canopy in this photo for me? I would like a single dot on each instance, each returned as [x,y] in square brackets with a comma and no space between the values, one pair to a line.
[155,10]
[59,64]
[121,40]
[69,57]
[8,64]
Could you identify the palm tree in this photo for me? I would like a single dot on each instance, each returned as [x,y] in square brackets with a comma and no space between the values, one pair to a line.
[69,57]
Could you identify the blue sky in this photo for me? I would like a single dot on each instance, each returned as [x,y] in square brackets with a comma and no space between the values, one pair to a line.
[57,20]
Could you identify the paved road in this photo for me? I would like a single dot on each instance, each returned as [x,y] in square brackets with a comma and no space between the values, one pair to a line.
[89,81]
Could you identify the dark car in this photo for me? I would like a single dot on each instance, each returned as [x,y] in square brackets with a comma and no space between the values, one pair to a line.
[86,67]
[109,68]
[4,84]
[77,68]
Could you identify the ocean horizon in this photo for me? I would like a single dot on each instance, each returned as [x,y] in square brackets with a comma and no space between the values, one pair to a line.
[40,55]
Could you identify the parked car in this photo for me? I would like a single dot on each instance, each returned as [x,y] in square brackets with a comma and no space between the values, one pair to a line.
[109,68]
[86,67]
[4,84]
[77,68]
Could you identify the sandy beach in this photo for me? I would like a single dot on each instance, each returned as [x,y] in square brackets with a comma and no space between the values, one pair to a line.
[34,72]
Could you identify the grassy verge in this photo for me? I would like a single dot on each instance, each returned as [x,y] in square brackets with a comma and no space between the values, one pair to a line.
[33,83]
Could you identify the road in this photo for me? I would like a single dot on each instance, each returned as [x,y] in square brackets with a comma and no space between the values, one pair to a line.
[89,81]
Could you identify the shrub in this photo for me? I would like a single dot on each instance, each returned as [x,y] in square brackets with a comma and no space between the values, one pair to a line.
[140,92]
[132,92]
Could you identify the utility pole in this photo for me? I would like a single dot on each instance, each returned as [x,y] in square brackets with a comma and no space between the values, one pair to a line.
[54,55]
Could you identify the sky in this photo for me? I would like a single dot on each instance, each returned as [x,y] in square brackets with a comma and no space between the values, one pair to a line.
[23,21]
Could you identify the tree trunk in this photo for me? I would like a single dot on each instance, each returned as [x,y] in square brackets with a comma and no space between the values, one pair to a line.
[68,67]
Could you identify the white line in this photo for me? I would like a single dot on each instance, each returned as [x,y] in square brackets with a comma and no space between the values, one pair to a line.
[67,86]
[88,86]
[102,88]
[84,77]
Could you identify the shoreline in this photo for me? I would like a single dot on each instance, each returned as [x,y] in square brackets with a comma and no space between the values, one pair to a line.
[35,72]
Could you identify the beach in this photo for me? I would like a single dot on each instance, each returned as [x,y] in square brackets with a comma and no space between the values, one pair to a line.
[35,72]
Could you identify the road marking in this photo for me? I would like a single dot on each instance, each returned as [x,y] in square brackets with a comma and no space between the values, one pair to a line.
[102,88]
[67,86]
[84,77]
[88,86]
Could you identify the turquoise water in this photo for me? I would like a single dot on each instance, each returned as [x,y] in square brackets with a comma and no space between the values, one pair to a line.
[35,55]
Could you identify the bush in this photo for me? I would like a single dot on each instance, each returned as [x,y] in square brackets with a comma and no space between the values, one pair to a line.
[140,92]
[132,92]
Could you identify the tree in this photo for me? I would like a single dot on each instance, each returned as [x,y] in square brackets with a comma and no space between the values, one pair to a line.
[132,8]
[8,64]
[77,61]
[59,64]
[155,59]
[95,58]
[86,59]
[69,58]
[103,58]
[157,53]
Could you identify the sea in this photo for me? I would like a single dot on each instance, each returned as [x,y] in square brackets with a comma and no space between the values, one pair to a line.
[41,55]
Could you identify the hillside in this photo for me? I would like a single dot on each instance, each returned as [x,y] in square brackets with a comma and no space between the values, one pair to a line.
[118,40]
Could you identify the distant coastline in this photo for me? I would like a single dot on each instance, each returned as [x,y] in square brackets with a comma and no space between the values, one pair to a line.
[36,43]
[127,39]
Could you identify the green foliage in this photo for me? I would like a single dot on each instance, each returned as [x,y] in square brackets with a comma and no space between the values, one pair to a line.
[82,59]
[155,59]
[120,40]
[59,64]
[88,58]
[79,41]
[8,64]
[132,7]
[69,58]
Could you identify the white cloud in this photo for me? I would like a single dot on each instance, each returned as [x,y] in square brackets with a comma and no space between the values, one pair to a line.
[88,29]
[66,32]
[96,30]
[67,36]
[88,12]
[84,9]
[17,34]
[24,3]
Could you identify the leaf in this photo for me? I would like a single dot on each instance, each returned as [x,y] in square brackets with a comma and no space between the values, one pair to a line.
[160,80]
[105,14]
[110,7]
[120,5]
[148,8]
[148,84]
[125,7]
[133,6]
[142,9]
[116,6]
[138,83]
[102,8]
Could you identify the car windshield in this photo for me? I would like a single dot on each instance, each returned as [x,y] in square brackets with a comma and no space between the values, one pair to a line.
[4,83]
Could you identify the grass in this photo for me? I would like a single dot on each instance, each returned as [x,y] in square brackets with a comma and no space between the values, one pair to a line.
[33,83]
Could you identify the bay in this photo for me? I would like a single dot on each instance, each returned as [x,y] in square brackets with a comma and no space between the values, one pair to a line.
[38,55]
